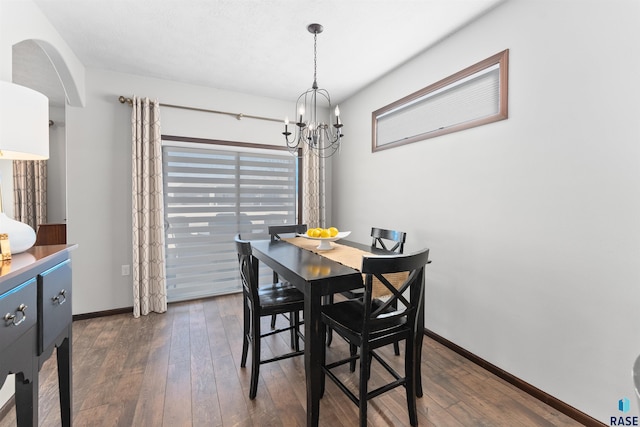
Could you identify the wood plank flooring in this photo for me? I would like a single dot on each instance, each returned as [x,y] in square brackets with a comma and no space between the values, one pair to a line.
[182,368]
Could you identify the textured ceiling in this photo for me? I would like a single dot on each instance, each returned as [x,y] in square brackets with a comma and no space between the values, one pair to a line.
[260,47]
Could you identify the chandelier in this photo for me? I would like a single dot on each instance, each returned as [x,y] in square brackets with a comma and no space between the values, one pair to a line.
[312,133]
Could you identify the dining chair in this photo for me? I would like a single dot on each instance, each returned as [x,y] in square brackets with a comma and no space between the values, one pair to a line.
[275,231]
[390,240]
[371,322]
[260,302]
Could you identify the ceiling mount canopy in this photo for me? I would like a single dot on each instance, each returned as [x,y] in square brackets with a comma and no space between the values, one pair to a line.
[313,133]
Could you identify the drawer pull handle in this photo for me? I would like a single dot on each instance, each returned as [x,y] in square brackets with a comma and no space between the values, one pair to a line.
[61,298]
[10,319]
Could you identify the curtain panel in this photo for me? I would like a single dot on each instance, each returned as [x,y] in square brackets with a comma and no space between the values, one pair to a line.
[149,278]
[30,192]
[313,190]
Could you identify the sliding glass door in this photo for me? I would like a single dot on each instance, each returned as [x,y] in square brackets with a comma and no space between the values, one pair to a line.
[211,193]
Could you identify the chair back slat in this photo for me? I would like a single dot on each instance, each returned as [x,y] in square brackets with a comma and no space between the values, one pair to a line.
[276,230]
[396,289]
[248,269]
[404,298]
[390,240]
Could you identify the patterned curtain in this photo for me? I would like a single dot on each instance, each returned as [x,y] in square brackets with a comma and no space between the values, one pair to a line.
[313,190]
[149,283]
[30,192]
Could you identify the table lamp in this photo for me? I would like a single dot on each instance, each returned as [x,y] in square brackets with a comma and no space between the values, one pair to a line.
[24,135]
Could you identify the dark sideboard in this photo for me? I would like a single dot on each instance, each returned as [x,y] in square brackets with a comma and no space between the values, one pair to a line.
[36,315]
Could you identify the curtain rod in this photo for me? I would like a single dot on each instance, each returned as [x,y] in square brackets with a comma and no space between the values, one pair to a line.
[238,116]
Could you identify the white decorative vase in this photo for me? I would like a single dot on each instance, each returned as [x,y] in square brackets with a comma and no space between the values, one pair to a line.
[21,235]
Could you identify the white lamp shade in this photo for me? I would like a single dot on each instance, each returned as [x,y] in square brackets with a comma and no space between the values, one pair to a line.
[24,135]
[24,123]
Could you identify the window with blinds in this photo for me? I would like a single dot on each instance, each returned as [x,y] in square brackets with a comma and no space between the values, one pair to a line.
[472,97]
[211,193]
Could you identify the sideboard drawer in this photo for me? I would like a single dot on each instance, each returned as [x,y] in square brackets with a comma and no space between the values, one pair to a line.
[18,312]
[54,303]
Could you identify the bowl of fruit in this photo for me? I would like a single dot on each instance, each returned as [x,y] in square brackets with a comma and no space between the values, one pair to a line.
[324,236]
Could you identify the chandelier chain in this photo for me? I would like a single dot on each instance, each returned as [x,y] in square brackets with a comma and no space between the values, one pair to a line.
[315,59]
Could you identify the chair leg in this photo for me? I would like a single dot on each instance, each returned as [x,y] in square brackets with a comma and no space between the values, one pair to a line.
[323,361]
[294,320]
[328,299]
[245,334]
[418,360]
[410,385]
[396,345]
[255,356]
[273,317]
[418,377]
[364,381]
[292,332]
[352,352]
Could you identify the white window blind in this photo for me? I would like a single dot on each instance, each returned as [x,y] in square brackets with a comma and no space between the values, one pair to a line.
[475,96]
[210,195]
[471,99]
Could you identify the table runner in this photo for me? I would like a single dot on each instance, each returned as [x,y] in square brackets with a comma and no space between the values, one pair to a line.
[351,257]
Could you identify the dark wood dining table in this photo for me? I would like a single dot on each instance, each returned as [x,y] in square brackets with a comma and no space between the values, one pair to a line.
[315,276]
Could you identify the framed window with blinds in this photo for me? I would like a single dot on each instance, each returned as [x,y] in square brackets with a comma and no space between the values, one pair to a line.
[212,191]
[472,97]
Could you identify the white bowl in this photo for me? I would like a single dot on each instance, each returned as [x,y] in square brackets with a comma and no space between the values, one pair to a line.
[324,241]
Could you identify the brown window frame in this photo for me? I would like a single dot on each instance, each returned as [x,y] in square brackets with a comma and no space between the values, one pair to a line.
[501,58]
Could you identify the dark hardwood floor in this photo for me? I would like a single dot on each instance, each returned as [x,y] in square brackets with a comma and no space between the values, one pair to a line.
[182,368]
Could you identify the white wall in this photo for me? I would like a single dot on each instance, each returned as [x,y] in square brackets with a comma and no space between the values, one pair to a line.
[57,168]
[533,222]
[99,168]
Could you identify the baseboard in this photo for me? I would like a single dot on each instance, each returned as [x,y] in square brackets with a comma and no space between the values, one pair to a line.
[555,403]
[7,407]
[95,314]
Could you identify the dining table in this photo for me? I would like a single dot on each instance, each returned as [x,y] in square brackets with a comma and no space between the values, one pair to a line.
[316,276]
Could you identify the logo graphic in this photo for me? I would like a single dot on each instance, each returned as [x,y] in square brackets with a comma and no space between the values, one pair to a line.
[624,406]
